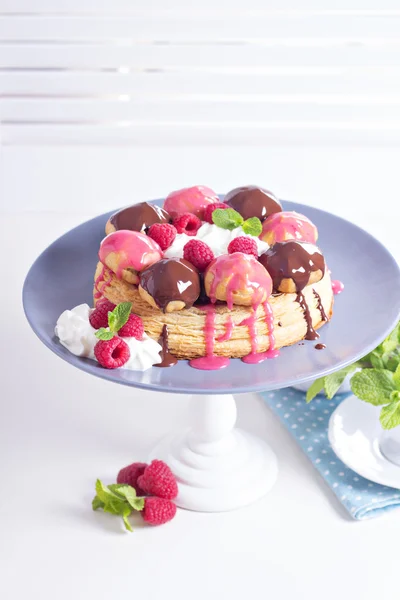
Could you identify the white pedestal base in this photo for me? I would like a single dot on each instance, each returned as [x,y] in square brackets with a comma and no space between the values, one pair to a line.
[218,468]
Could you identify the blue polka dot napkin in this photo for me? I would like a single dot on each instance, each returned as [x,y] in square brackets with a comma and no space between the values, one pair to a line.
[308,424]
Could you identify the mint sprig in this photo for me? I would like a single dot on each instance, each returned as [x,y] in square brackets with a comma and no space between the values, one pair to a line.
[378,381]
[116,319]
[228,218]
[117,499]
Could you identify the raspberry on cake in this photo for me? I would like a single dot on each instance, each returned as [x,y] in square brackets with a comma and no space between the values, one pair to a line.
[133,328]
[187,223]
[210,209]
[113,353]
[243,244]
[162,233]
[198,253]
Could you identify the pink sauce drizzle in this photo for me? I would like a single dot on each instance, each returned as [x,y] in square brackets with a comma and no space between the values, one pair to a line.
[228,330]
[337,286]
[98,281]
[256,357]
[210,362]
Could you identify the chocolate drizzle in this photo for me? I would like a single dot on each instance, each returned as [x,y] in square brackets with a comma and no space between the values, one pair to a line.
[253,201]
[139,217]
[167,359]
[320,307]
[169,280]
[320,346]
[311,334]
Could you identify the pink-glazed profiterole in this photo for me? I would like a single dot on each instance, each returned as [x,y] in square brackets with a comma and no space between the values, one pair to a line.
[190,200]
[288,225]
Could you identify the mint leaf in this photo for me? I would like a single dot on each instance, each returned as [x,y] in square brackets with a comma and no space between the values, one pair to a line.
[97,503]
[104,494]
[128,493]
[396,377]
[227,218]
[373,385]
[395,396]
[392,361]
[376,360]
[119,316]
[125,514]
[115,506]
[104,334]
[390,415]
[315,389]
[335,380]
[137,504]
[252,226]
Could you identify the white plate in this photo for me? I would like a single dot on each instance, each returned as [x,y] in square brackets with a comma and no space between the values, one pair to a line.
[355,435]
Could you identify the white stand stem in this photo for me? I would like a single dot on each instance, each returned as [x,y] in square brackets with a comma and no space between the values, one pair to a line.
[218,467]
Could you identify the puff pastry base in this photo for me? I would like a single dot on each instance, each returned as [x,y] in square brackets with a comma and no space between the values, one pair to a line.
[186,327]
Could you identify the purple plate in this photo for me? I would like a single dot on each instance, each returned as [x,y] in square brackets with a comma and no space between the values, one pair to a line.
[364,313]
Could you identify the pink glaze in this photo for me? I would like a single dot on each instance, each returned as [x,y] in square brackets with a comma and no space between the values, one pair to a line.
[337,286]
[98,281]
[291,225]
[228,330]
[210,362]
[193,200]
[237,272]
[256,357]
[135,250]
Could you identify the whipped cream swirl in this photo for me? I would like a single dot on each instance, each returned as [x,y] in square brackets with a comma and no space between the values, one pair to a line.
[77,335]
[217,238]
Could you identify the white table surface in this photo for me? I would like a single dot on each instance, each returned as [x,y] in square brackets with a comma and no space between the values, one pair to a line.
[61,428]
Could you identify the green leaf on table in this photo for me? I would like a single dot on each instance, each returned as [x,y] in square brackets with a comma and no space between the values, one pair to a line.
[390,415]
[227,218]
[373,385]
[392,360]
[315,388]
[252,226]
[97,503]
[104,493]
[128,493]
[125,514]
[115,506]
[335,380]
[104,334]
[376,360]
[119,316]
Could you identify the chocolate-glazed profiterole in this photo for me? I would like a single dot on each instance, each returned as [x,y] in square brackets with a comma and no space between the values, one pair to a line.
[293,265]
[170,284]
[138,217]
[253,201]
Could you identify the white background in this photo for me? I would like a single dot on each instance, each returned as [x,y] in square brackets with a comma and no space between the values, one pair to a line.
[108,103]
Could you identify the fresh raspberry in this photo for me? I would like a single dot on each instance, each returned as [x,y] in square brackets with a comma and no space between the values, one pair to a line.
[133,328]
[162,233]
[158,511]
[113,353]
[210,209]
[198,253]
[130,474]
[187,223]
[99,317]
[158,480]
[243,244]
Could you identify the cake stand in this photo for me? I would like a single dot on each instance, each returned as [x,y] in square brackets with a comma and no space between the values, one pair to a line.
[218,466]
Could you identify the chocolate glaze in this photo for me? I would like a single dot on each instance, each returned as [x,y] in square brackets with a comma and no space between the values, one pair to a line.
[320,307]
[253,201]
[292,260]
[203,298]
[167,359]
[319,346]
[139,217]
[171,279]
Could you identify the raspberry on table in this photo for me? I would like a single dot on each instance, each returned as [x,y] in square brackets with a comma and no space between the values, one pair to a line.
[99,317]
[158,511]
[198,253]
[243,244]
[158,480]
[210,209]
[133,327]
[113,353]
[187,223]
[162,233]
[130,475]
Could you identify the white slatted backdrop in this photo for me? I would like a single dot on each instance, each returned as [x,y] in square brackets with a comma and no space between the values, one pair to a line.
[156,72]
